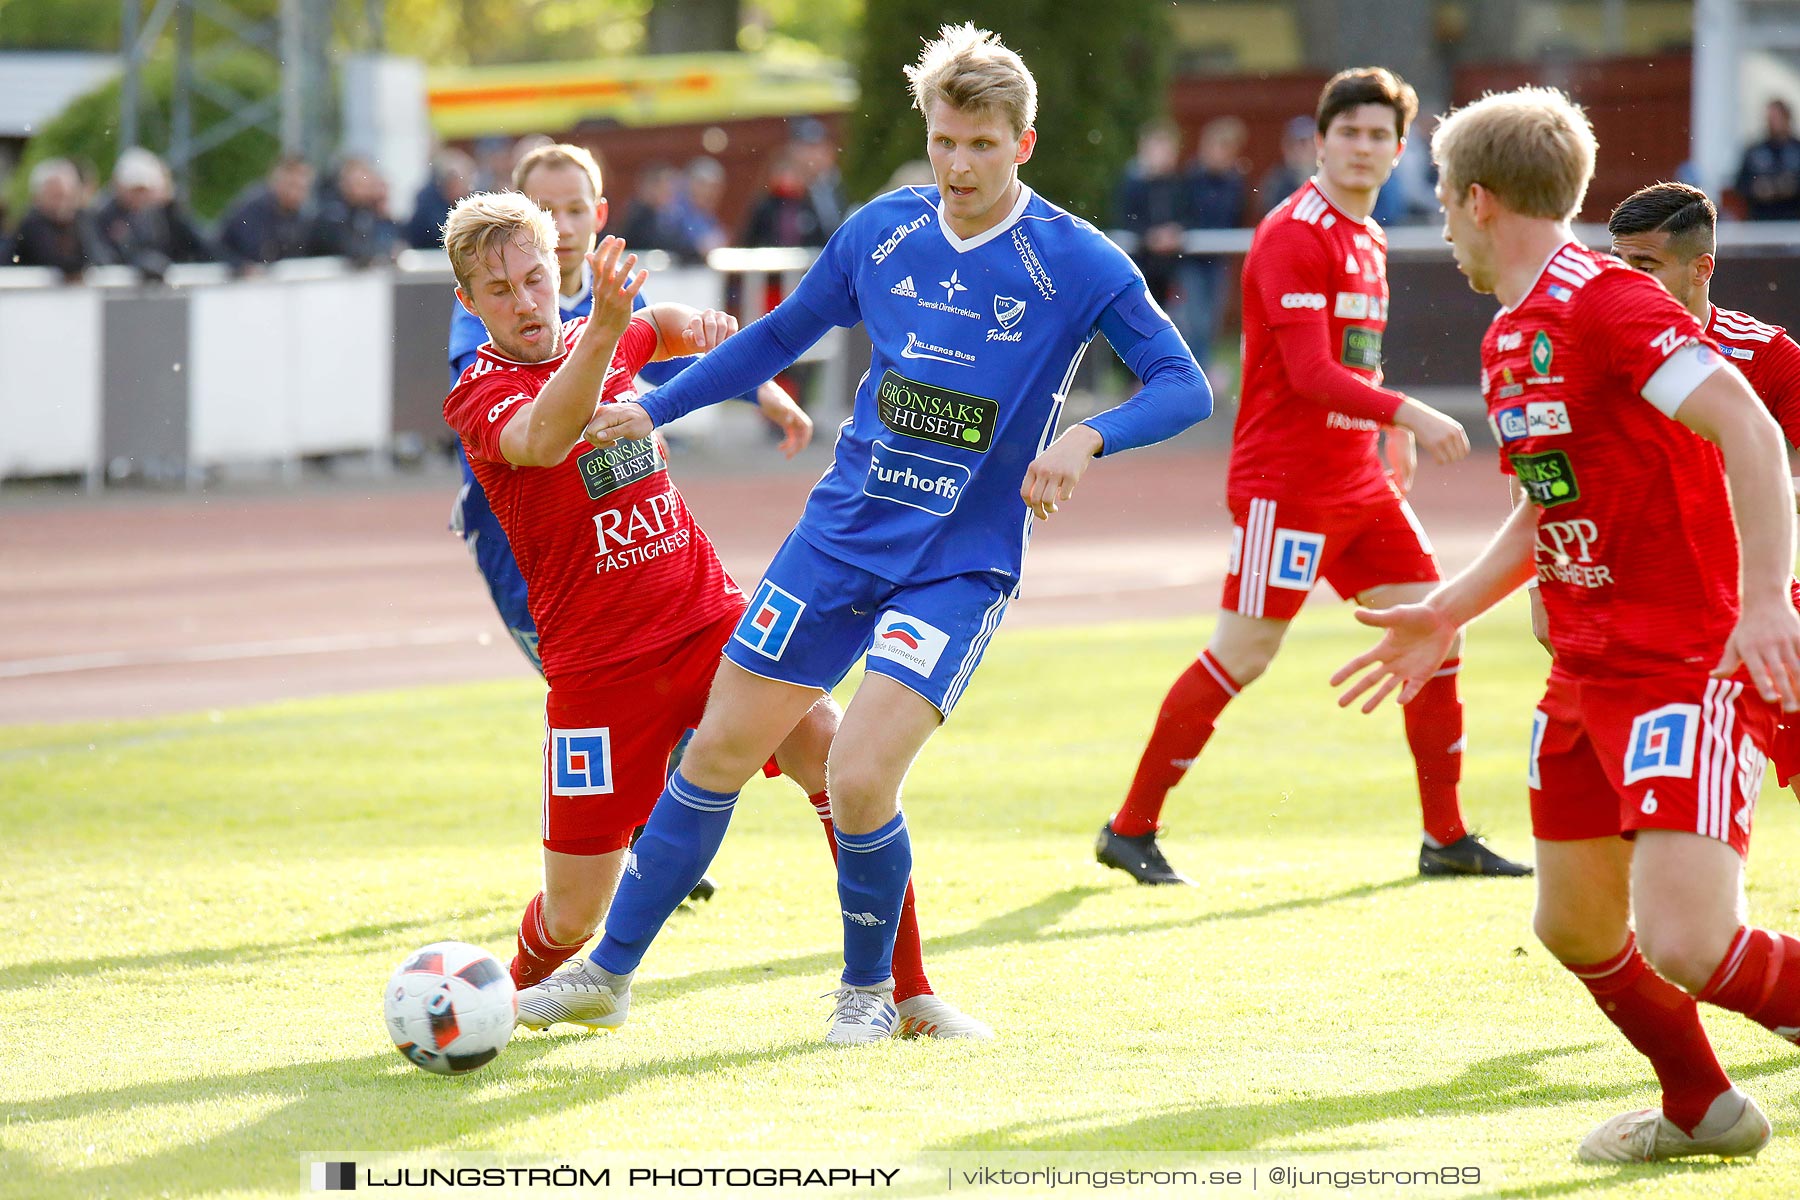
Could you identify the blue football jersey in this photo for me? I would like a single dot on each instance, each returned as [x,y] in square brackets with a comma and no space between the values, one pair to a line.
[975,343]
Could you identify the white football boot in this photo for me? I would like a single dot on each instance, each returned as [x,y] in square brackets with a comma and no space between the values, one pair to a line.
[1648,1136]
[932,1016]
[863,1014]
[580,995]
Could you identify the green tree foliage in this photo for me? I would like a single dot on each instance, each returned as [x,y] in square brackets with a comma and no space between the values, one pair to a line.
[481,32]
[88,130]
[1100,76]
[59,25]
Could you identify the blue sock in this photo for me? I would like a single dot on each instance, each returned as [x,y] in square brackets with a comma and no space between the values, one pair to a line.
[872,872]
[673,852]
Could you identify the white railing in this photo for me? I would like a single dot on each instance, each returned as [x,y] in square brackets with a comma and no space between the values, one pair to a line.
[110,376]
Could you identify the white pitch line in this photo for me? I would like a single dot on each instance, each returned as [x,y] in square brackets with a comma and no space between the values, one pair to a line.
[325,644]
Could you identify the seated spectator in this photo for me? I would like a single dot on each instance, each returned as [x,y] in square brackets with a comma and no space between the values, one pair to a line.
[653,221]
[55,232]
[699,208]
[1299,159]
[141,223]
[354,224]
[273,219]
[1768,179]
[1151,204]
[1217,188]
[817,157]
[785,216]
[452,177]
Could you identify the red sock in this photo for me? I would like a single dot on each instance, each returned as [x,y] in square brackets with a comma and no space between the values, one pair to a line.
[1182,727]
[1760,977]
[1663,1022]
[909,952]
[1434,730]
[538,956]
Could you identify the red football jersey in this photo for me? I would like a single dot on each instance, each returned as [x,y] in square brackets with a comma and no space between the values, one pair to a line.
[1637,556]
[614,564]
[1768,358]
[1310,265]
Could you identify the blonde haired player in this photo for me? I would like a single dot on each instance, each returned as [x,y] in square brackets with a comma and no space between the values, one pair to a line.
[1676,646]
[630,601]
[979,298]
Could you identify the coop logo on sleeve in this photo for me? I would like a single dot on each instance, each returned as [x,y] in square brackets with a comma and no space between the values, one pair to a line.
[905,639]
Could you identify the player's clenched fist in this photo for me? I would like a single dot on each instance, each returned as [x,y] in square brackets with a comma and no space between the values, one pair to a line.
[1439,436]
[614,286]
[621,422]
[707,329]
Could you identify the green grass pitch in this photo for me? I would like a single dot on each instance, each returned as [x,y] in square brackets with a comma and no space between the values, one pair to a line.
[201,913]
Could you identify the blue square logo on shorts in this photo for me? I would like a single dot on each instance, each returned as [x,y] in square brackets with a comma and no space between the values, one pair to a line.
[769,621]
[581,762]
[1662,743]
[1296,559]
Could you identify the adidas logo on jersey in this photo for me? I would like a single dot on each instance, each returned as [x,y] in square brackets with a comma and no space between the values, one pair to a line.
[905,288]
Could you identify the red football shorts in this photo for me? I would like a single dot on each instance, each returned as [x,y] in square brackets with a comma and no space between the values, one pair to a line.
[608,734]
[1279,550]
[1615,756]
[1786,754]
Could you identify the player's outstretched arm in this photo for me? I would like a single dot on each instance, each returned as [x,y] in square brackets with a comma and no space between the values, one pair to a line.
[1724,410]
[542,431]
[1419,636]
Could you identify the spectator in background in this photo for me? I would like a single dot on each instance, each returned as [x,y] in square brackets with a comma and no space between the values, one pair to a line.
[817,158]
[353,223]
[1152,204]
[141,223]
[273,219]
[1299,158]
[55,232]
[1217,189]
[785,216]
[452,177]
[654,220]
[1768,180]
[699,207]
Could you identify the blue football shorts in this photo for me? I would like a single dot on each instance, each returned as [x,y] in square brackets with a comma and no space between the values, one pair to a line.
[813,616]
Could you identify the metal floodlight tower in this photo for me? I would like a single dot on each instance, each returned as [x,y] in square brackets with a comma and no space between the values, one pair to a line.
[297,43]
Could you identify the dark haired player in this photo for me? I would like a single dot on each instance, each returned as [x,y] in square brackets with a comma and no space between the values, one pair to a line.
[1667,230]
[1308,494]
